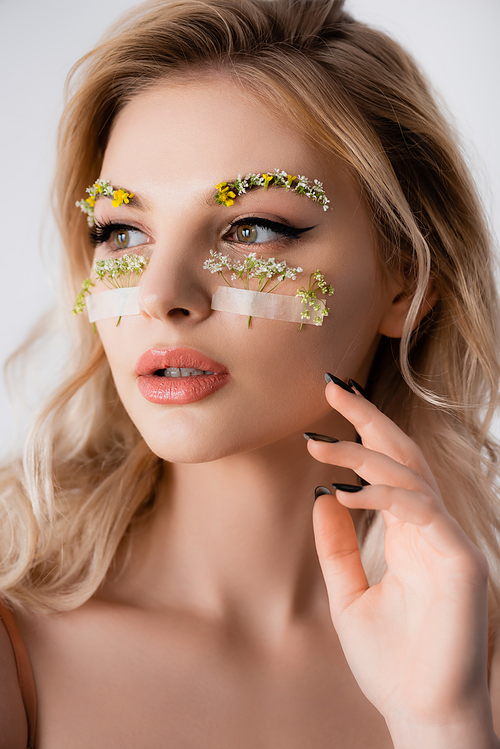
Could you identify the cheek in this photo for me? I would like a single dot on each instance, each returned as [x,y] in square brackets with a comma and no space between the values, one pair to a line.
[272,360]
[116,341]
[282,369]
[358,303]
[277,373]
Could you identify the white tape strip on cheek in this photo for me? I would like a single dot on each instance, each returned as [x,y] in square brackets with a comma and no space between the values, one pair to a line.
[113,303]
[260,304]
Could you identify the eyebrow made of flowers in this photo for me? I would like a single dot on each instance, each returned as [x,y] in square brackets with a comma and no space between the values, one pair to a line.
[102,187]
[227,192]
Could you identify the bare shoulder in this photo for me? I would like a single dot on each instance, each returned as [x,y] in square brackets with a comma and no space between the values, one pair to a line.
[13,725]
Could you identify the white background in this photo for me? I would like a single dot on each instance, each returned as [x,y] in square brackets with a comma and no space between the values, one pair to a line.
[456,42]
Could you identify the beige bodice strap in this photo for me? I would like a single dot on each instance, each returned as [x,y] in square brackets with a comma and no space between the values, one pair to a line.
[24,671]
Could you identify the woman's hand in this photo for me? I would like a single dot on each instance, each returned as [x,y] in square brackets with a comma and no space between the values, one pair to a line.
[416,642]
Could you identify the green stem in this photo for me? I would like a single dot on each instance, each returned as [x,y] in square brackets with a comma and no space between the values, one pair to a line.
[117,324]
[223,276]
[274,287]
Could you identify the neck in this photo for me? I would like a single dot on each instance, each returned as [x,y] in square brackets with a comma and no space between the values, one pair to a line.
[232,539]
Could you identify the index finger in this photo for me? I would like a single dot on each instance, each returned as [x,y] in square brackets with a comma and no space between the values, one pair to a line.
[378,432]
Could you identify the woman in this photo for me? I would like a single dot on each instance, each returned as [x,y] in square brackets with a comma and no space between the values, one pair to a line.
[159,557]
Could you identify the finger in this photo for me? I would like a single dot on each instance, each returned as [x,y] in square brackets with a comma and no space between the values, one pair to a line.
[439,529]
[374,467]
[378,431]
[338,554]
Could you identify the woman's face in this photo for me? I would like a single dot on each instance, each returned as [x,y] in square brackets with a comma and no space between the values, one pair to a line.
[170,147]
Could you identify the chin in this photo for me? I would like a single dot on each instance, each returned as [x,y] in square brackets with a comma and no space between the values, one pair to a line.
[186,454]
[189,449]
[203,433]
[201,447]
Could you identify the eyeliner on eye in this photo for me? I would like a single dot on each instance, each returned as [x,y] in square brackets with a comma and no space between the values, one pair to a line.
[278,227]
[101,232]
[252,224]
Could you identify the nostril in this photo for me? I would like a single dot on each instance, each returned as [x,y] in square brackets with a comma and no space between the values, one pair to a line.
[176,312]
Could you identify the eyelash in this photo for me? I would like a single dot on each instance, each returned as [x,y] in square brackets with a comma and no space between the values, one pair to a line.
[100,233]
[264,223]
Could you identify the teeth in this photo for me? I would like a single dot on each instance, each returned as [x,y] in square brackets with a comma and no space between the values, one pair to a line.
[184,372]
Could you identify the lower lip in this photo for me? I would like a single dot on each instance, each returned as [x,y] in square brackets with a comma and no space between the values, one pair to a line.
[180,390]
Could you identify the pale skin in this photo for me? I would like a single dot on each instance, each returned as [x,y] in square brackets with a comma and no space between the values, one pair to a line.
[244,617]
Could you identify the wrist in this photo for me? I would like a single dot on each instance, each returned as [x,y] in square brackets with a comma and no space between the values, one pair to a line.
[469,726]
[459,736]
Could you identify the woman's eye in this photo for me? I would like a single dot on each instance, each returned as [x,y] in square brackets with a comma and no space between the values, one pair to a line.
[250,233]
[126,238]
[259,231]
[117,236]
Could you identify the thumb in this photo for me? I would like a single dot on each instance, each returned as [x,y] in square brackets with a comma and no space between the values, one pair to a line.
[338,553]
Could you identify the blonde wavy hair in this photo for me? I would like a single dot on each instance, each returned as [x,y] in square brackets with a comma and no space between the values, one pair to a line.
[87,476]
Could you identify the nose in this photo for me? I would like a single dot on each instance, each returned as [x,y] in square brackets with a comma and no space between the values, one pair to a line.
[173,286]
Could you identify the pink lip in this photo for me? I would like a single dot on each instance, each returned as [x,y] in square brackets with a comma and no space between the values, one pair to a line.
[182,390]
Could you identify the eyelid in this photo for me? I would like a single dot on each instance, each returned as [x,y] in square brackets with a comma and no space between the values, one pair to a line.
[287,230]
[101,231]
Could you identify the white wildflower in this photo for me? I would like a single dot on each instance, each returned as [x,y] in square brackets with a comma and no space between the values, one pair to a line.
[310,299]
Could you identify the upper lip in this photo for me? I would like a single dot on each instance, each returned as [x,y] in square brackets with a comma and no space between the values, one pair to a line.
[153,359]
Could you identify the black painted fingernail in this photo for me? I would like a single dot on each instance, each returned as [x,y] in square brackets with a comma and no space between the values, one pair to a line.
[355,385]
[331,378]
[351,488]
[319,437]
[319,491]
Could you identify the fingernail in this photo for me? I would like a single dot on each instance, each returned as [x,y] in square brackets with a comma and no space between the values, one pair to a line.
[319,437]
[351,488]
[331,378]
[319,491]
[357,387]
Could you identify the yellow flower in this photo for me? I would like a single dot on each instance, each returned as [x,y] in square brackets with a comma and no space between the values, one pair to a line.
[226,198]
[90,201]
[289,180]
[267,179]
[120,196]
[225,195]
[97,187]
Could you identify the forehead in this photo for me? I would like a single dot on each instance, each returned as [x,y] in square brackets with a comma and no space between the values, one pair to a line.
[209,130]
